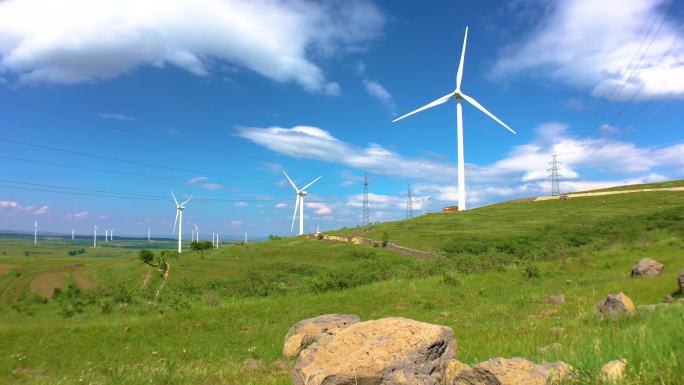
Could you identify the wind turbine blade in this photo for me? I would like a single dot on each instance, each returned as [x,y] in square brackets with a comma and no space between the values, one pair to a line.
[175,221]
[459,74]
[294,216]
[174,198]
[425,107]
[314,181]
[479,107]
[186,201]
[291,182]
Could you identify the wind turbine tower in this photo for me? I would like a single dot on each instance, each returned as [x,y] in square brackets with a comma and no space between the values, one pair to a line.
[95,236]
[73,231]
[301,193]
[459,96]
[148,233]
[106,235]
[179,219]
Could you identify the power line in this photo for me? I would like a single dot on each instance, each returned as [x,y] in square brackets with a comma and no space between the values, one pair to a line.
[366,216]
[409,203]
[553,170]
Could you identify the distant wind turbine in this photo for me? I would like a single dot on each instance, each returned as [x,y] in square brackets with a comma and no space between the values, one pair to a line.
[95,236]
[301,193]
[73,231]
[458,95]
[148,233]
[106,235]
[179,219]
[111,234]
[196,233]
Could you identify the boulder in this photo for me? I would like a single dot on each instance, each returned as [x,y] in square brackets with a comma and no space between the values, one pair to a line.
[681,282]
[555,299]
[613,372]
[615,305]
[647,267]
[388,351]
[454,369]
[306,332]
[514,371]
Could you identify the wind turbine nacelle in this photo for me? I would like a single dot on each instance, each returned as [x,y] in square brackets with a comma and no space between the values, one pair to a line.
[303,193]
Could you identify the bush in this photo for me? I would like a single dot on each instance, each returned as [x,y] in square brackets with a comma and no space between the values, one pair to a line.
[385,238]
[146,256]
[450,279]
[201,246]
[273,237]
[531,270]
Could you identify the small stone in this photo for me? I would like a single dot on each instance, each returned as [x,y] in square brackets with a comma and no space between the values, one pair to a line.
[252,364]
[612,372]
[514,371]
[615,305]
[554,347]
[555,299]
[647,267]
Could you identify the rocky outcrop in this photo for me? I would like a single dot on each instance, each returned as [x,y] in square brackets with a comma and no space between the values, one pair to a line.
[615,305]
[512,371]
[613,372]
[647,267]
[387,351]
[308,331]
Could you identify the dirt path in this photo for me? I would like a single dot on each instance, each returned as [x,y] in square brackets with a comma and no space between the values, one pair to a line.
[599,193]
[393,247]
[82,281]
[166,276]
[147,277]
[46,283]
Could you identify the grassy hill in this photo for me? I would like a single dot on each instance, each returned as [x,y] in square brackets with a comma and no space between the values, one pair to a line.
[217,308]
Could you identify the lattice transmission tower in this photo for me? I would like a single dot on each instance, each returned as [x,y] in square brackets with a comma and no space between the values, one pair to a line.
[409,203]
[366,216]
[554,175]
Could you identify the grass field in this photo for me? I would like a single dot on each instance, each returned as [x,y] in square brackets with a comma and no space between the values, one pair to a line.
[220,307]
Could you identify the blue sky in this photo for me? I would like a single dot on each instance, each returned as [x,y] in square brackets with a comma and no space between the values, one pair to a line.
[106,108]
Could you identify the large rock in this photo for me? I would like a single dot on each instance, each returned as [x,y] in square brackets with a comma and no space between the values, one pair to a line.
[681,282]
[613,372]
[388,351]
[647,267]
[513,371]
[615,305]
[308,331]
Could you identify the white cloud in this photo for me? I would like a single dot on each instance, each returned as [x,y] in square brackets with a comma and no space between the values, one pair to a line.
[379,92]
[73,41]
[314,143]
[43,210]
[203,182]
[78,215]
[236,223]
[281,205]
[319,208]
[241,204]
[13,207]
[602,46]
[10,204]
[116,116]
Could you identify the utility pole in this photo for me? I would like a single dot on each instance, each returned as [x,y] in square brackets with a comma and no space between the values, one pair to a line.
[553,174]
[409,203]
[366,216]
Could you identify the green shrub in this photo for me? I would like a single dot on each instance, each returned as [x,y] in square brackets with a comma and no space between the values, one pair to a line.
[531,270]
[450,279]
[201,246]
[385,238]
[146,256]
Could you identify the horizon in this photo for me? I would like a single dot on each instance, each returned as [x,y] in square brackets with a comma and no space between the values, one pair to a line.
[98,131]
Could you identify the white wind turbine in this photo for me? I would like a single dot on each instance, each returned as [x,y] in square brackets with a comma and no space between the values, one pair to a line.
[458,95]
[301,193]
[35,232]
[196,233]
[94,236]
[179,219]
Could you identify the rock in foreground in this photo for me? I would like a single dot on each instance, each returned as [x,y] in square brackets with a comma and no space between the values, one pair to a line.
[615,305]
[612,372]
[511,371]
[388,351]
[647,267]
[306,332]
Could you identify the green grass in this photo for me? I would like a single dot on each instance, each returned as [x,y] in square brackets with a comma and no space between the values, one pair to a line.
[223,306]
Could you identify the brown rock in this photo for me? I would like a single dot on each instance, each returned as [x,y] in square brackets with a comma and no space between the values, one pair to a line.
[514,371]
[306,332]
[615,305]
[613,372]
[555,299]
[647,267]
[454,369]
[388,351]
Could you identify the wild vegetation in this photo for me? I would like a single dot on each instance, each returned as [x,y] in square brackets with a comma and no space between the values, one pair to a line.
[115,317]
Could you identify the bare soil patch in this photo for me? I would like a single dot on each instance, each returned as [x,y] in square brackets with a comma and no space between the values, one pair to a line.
[46,283]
